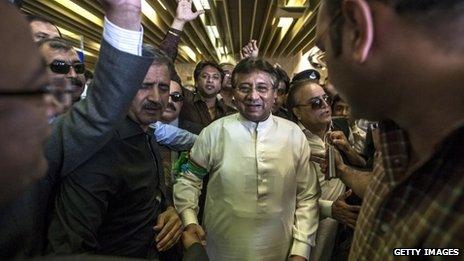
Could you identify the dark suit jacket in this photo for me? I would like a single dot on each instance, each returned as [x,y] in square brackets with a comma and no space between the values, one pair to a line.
[76,136]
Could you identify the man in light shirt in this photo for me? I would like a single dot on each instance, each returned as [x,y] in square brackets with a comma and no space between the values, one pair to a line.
[261,204]
[310,106]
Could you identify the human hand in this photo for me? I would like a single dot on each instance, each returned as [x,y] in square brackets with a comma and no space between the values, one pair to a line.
[297,258]
[184,11]
[170,229]
[339,164]
[339,140]
[196,231]
[344,213]
[250,50]
[123,13]
[189,238]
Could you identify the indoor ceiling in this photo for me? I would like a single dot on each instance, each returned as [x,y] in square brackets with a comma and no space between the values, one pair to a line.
[282,28]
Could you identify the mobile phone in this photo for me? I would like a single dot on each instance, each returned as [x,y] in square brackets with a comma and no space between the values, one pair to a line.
[331,163]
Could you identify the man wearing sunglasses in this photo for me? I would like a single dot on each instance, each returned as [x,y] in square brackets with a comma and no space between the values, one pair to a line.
[373,50]
[63,62]
[311,108]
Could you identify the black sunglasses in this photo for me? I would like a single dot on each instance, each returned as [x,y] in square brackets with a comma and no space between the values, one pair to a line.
[177,96]
[317,102]
[61,67]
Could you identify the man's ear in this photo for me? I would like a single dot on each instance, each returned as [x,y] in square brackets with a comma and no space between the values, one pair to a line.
[297,113]
[359,18]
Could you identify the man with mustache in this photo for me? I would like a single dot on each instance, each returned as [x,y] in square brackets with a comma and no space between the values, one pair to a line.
[63,62]
[115,203]
[261,203]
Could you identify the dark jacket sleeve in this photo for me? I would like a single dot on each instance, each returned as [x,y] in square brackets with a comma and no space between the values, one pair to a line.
[195,252]
[170,46]
[80,208]
[87,126]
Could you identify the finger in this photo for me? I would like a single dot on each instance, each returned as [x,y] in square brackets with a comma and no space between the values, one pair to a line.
[255,46]
[351,224]
[159,222]
[354,208]
[170,225]
[169,240]
[201,235]
[346,194]
[173,241]
[199,12]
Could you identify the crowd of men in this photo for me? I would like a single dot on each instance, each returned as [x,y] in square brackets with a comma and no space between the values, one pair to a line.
[250,165]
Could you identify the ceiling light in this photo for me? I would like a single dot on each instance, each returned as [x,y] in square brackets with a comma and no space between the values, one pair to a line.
[296,3]
[201,4]
[285,22]
[81,11]
[189,52]
[161,3]
[148,11]
[213,30]
[68,33]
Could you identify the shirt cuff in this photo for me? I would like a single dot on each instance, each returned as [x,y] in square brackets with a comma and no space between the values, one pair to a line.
[325,207]
[189,216]
[122,39]
[300,249]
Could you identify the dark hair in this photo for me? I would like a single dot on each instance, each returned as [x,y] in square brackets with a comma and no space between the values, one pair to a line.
[291,97]
[428,13]
[203,64]
[250,65]
[159,57]
[282,76]
[56,44]
[335,99]
[33,18]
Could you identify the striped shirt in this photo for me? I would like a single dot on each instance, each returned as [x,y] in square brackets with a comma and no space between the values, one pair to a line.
[418,208]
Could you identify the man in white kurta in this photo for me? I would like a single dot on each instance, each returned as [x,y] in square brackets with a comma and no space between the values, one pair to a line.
[262,195]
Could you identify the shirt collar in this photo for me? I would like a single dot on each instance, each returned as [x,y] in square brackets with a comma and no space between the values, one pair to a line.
[128,128]
[262,125]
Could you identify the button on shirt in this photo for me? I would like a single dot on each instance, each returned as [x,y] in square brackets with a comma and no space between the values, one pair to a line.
[262,192]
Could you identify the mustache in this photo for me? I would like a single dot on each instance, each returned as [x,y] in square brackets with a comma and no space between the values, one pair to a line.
[152,106]
[171,106]
[76,82]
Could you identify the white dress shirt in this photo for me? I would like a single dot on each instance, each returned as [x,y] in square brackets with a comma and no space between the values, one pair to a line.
[122,39]
[262,199]
[330,189]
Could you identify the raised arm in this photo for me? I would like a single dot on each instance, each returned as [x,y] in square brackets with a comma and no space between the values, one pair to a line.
[119,72]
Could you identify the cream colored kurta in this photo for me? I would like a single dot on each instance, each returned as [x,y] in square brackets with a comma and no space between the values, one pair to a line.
[262,199]
[330,191]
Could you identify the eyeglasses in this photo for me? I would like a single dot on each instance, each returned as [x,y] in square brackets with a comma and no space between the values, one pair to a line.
[61,67]
[318,102]
[177,96]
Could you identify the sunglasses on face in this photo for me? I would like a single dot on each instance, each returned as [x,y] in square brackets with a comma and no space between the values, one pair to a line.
[61,67]
[176,97]
[318,102]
